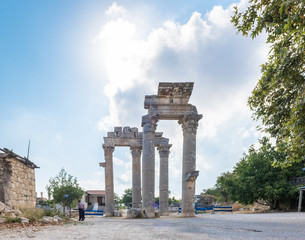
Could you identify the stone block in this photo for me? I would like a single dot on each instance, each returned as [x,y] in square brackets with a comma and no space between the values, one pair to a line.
[192,176]
[134,129]
[117,213]
[117,129]
[24,220]
[134,213]
[111,134]
[129,134]
[18,213]
[3,206]
[9,213]
[47,219]
[59,219]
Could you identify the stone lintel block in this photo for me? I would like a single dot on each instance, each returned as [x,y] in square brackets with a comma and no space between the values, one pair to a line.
[128,135]
[161,141]
[192,175]
[134,129]
[126,129]
[173,112]
[117,129]
[110,134]
[175,89]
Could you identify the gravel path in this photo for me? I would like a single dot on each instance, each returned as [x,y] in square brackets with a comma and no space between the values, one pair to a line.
[204,226]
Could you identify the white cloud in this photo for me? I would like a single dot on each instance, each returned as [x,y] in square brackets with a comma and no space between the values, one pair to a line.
[118,161]
[205,50]
[116,10]
[220,17]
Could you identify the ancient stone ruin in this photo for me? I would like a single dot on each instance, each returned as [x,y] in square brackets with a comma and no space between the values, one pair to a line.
[171,103]
[17,180]
[130,137]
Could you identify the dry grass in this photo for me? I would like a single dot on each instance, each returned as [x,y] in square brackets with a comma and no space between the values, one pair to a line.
[32,214]
[236,206]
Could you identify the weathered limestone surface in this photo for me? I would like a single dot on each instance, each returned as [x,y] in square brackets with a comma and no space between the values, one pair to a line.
[163,182]
[127,137]
[17,180]
[148,166]
[109,198]
[189,173]
[136,176]
[171,103]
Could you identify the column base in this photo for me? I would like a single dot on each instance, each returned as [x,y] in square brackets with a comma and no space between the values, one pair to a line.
[150,215]
[188,214]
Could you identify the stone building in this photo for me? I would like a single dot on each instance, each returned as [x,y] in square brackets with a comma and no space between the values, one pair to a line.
[17,180]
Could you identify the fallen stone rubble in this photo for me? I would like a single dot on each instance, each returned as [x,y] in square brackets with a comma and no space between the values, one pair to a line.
[7,211]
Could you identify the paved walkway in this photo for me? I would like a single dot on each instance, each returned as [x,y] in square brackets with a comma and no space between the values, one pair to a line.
[204,226]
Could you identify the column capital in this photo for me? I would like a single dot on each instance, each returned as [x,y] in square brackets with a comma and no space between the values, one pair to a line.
[108,148]
[164,149]
[135,151]
[149,122]
[189,123]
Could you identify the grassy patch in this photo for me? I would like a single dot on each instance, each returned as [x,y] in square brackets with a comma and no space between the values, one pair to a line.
[12,219]
[32,214]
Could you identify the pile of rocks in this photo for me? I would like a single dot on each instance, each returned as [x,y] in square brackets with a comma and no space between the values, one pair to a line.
[56,219]
[7,211]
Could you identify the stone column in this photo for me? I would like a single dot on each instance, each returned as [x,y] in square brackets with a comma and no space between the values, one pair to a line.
[163,184]
[189,174]
[136,176]
[148,165]
[109,197]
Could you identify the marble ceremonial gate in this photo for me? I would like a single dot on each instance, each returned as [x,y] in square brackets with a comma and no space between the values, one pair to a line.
[130,137]
[171,103]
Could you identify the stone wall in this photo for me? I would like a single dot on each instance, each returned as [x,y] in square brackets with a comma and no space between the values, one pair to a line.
[17,182]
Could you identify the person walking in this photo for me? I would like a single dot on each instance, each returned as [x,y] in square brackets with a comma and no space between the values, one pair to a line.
[81,211]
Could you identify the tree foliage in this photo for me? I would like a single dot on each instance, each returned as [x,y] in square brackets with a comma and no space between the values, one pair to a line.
[255,178]
[127,197]
[64,184]
[117,199]
[279,97]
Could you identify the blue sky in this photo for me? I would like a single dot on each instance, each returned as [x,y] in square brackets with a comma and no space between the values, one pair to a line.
[72,70]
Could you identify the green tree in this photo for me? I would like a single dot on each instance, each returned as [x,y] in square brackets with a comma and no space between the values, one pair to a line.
[255,178]
[64,184]
[117,199]
[225,186]
[278,99]
[127,197]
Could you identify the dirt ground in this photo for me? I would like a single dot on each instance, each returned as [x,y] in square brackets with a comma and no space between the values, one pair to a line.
[203,226]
